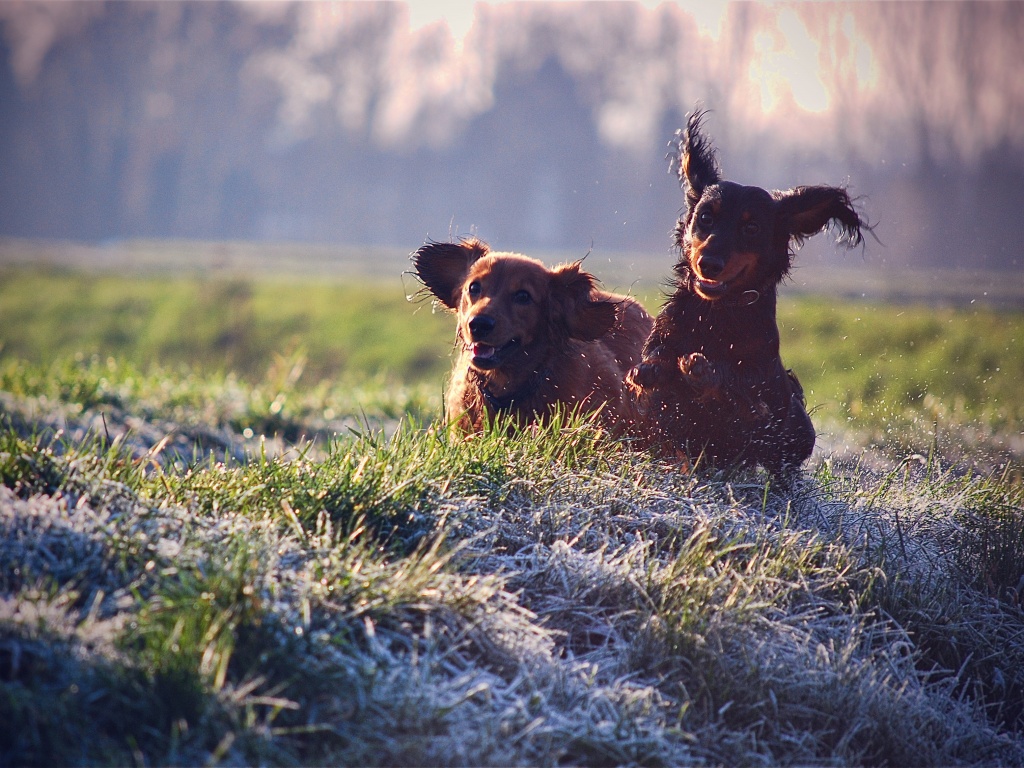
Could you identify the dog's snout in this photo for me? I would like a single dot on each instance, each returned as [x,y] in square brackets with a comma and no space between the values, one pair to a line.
[480,326]
[711,266]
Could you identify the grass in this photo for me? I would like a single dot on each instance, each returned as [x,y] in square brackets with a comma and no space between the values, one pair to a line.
[285,560]
[543,598]
[223,324]
[904,374]
[899,376]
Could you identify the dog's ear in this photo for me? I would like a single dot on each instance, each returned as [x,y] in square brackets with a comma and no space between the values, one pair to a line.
[806,211]
[443,267]
[698,166]
[574,305]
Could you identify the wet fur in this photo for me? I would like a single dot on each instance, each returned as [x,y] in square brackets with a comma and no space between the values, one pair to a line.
[711,383]
[548,337]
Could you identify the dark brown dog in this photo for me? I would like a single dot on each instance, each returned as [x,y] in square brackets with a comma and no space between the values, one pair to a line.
[711,382]
[530,338]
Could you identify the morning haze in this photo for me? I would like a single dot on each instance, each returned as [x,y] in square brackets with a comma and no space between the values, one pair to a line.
[533,125]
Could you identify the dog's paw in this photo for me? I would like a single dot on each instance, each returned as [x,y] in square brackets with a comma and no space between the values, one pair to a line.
[698,371]
[643,376]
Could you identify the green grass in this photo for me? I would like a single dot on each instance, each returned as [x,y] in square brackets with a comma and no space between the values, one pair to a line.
[900,370]
[221,324]
[268,555]
[899,376]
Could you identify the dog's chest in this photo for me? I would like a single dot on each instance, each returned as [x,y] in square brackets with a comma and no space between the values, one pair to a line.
[736,335]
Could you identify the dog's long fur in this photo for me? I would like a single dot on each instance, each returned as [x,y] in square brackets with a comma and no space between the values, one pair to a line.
[711,382]
[530,338]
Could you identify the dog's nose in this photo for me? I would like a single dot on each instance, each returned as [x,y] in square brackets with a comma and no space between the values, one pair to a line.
[480,326]
[710,266]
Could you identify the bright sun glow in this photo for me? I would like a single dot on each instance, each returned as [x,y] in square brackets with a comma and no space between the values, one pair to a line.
[787,60]
[457,16]
[709,15]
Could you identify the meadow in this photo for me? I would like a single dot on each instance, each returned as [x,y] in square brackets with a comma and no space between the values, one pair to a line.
[234,531]
[898,376]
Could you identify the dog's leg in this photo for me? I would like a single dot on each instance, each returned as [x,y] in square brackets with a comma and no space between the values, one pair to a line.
[793,444]
[799,429]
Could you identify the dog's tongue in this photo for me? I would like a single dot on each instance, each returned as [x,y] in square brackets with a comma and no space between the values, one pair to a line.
[486,351]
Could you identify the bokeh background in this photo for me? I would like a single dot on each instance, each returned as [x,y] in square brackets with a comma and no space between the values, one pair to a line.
[534,125]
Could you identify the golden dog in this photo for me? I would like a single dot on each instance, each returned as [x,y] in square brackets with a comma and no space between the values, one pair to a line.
[531,338]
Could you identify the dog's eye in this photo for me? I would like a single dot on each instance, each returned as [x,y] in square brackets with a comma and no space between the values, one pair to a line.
[522,297]
[751,228]
[473,289]
[705,219]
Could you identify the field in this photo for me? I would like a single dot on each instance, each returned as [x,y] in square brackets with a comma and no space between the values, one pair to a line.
[894,376]
[233,531]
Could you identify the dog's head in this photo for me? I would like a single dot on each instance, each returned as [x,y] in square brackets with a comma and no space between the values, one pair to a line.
[512,309]
[736,239]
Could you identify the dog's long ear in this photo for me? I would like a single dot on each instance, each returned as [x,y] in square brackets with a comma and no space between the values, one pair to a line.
[698,166]
[443,267]
[806,211]
[574,305]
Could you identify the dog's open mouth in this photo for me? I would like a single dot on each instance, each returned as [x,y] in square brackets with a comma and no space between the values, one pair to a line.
[486,356]
[711,289]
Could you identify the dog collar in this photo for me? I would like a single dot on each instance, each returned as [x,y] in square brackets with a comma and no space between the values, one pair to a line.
[745,299]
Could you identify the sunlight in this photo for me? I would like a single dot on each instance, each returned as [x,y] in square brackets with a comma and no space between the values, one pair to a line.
[710,17]
[457,16]
[788,61]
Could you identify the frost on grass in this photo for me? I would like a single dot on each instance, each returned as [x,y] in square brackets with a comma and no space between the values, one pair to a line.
[565,601]
[339,650]
[176,417]
[947,550]
[746,609]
